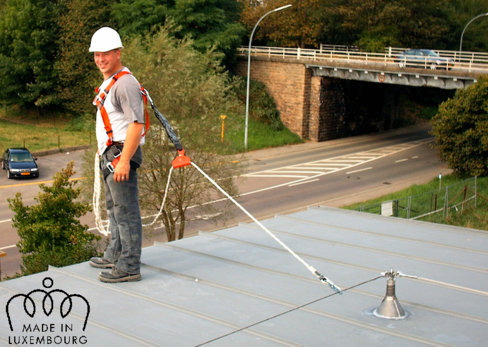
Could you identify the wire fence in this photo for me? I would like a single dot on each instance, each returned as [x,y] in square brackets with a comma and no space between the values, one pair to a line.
[434,206]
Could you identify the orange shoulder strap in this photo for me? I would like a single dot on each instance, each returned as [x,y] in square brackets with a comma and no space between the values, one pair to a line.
[100,100]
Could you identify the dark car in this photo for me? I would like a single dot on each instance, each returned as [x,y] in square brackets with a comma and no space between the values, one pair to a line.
[424,59]
[19,163]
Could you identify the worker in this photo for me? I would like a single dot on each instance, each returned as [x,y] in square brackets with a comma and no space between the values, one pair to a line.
[119,130]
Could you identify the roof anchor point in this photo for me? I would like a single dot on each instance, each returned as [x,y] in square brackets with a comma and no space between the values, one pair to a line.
[390,307]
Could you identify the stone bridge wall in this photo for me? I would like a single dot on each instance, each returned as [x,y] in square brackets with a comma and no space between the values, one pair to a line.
[288,84]
[312,107]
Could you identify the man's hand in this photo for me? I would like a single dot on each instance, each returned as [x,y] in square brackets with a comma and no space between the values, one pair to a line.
[122,171]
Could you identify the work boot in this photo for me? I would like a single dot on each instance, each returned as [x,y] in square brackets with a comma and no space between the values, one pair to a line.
[100,263]
[116,276]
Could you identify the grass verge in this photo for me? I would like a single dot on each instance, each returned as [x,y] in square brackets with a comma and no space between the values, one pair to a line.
[260,136]
[431,196]
[55,134]
[41,137]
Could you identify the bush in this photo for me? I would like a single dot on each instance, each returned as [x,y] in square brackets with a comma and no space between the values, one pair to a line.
[461,130]
[50,231]
[262,107]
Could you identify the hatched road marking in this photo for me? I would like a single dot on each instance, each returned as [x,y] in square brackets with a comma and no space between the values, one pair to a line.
[310,170]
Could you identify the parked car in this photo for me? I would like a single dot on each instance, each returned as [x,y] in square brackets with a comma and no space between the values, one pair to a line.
[423,58]
[19,163]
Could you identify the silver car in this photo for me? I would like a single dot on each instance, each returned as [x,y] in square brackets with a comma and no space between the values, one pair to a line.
[423,59]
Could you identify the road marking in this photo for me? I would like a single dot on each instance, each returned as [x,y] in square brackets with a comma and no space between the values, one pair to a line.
[400,160]
[304,182]
[5,220]
[37,183]
[274,173]
[314,169]
[284,176]
[360,170]
[7,247]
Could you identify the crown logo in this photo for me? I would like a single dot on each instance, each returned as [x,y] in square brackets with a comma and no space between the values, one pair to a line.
[30,307]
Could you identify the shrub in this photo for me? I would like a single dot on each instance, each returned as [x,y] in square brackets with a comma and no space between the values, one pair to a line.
[461,130]
[50,231]
[262,106]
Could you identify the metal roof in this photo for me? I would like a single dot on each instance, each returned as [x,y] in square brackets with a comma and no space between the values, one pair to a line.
[237,287]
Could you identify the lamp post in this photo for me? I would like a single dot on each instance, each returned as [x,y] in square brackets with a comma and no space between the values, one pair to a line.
[472,20]
[249,68]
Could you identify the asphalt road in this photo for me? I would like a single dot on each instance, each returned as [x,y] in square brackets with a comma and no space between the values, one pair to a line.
[279,180]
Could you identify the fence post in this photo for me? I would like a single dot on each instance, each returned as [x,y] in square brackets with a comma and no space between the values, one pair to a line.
[464,197]
[409,205]
[446,203]
[475,191]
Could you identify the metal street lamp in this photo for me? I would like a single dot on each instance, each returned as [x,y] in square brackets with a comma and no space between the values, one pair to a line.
[472,20]
[249,68]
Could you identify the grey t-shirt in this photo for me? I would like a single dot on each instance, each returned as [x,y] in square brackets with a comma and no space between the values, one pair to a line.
[126,99]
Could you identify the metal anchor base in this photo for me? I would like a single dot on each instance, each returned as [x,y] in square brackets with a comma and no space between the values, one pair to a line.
[390,307]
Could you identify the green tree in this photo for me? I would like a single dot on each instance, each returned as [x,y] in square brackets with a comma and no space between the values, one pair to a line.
[378,23]
[74,66]
[460,13]
[137,17]
[50,231]
[209,23]
[461,130]
[299,25]
[192,90]
[28,35]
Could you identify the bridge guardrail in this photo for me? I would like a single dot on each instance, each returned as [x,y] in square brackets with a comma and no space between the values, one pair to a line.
[466,56]
[464,62]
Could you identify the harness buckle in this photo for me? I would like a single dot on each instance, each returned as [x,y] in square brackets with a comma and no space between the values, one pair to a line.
[110,167]
[116,155]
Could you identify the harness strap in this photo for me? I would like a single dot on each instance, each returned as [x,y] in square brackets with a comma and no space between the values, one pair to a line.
[100,100]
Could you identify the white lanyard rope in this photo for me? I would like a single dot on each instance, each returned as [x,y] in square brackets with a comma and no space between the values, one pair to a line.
[100,224]
[321,277]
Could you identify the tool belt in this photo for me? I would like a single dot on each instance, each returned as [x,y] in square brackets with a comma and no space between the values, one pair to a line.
[111,157]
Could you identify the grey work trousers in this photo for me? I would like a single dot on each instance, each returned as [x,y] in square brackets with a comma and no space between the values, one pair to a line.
[122,200]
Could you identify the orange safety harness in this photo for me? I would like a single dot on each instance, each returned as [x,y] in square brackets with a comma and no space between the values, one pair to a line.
[99,102]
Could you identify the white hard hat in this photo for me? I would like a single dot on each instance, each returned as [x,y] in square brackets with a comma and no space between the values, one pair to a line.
[105,39]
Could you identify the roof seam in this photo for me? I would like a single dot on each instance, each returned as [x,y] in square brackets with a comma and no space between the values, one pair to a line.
[446,228]
[167,305]
[381,251]
[387,235]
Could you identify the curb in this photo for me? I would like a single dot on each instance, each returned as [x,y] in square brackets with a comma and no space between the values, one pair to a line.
[59,150]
